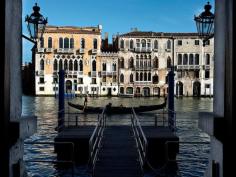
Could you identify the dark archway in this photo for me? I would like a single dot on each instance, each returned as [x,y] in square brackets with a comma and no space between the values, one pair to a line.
[68,86]
[179,89]
[197,89]
[146,91]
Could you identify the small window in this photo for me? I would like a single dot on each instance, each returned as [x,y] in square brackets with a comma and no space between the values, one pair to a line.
[55,80]
[95,43]
[94,81]
[71,43]
[41,88]
[207,42]
[207,74]
[207,86]
[66,43]
[80,81]
[41,42]
[122,44]
[179,42]
[49,42]
[41,80]
[196,42]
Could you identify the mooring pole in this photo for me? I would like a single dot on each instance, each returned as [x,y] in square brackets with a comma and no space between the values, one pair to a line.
[61,100]
[171,86]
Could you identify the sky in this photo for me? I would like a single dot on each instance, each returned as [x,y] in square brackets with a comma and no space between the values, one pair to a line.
[116,16]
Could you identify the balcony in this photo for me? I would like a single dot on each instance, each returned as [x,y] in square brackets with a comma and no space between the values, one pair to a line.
[207,66]
[81,51]
[39,73]
[137,49]
[167,50]
[80,72]
[40,50]
[186,67]
[143,68]
[65,50]
[155,50]
[94,51]
[49,50]
[93,73]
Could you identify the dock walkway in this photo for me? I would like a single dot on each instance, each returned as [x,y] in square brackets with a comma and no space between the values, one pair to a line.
[118,155]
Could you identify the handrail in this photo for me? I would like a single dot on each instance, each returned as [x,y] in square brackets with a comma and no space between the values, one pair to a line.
[140,138]
[95,140]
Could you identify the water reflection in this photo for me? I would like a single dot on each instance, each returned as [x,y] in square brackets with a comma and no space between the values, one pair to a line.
[192,158]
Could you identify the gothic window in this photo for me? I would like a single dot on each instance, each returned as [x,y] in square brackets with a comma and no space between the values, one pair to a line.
[55,65]
[75,65]
[155,44]
[41,42]
[196,59]
[122,44]
[71,43]
[131,44]
[66,43]
[94,65]
[70,65]
[145,76]
[121,62]
[155,63]
[104,67]
[81,65]
[207,59]
[49,42]
[131,78]
[141,76]
[137,76]
[41,64]
[185,62]
[82,43]
[168,62]
[179,59]
[149,76]
[114,67]
[60,42]
[95,43]
[143,43]
[60,65]
[191,59]
[168,45]
[131,62]
[121,78]
[65,65]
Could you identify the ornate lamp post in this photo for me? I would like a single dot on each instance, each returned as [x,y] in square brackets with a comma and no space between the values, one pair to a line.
[36,25]
[205,23]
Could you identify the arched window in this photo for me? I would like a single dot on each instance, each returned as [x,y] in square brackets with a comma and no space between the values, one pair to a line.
[185,62]
[41,64]
[141,56]
[55,65]
[143,43]
[141,76]
[207,59]
[75,65]
[145,76]
[131,78]
[70,65]
[81,65]
[168,45]
[168,62]
[65,65]
[41,42]
[149,76]
[179,59]
[95,43]
[104,67]
[131,62]
[191,59]
[196,59]
[137,76]
[94,65]
[60,42]
[122,44]
[114,67]
[155,63]
[60,65]
[131,44]
[82,43]
[155,79]
[121,63]
[66,43]
[121,78]
[71,43]
[155,44]
[49,42]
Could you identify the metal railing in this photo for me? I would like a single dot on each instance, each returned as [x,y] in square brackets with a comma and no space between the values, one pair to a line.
[140,138]
[95,140]
[71,161]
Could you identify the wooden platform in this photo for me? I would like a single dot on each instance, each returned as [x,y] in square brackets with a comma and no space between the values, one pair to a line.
[118,156]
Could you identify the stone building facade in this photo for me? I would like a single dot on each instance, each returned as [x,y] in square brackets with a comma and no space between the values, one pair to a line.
[136,64]
[145,59]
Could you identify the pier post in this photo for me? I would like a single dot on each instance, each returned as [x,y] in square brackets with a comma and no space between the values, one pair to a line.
[61,108]
[171,105]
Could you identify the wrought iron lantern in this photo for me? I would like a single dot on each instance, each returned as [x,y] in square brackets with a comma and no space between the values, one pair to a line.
[205,23]
[36,23]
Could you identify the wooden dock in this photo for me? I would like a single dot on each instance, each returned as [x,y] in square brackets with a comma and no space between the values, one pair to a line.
[118,155]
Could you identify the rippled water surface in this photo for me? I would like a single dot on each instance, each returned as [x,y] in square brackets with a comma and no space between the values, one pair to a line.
[192,159]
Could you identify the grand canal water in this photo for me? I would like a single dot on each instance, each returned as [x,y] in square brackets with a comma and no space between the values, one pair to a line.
[192,159]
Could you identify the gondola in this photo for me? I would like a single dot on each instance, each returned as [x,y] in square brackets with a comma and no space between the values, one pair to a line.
[117,109]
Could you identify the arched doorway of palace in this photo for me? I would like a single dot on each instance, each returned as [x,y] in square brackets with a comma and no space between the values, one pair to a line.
[197,89]
[146,91]
[179,89]
[68,86]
